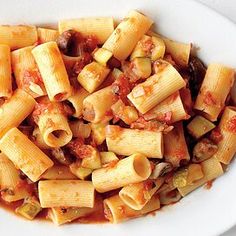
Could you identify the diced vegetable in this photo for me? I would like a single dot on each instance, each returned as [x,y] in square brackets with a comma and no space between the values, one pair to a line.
[107,157]
[58,172]
[79,171]
[203,150]
[91,159]
[142,67]
[158,50]
[126,113]
[199,126]
[30,208]
[194,173]
[142,48]
[102,56]
[187,175]
[161,169]
[98,132]
[116,73]
[180,178]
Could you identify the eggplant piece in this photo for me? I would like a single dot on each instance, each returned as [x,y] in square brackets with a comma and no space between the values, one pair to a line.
[197,71]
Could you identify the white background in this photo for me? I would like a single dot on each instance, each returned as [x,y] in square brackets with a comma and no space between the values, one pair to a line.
[228,9]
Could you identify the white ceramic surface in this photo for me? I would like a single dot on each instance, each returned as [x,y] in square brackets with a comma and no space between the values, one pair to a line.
[204,212]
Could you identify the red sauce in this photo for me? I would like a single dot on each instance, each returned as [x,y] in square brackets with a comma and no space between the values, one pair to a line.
[121,87]
[231,124]
[113,63]
[113,132]
[209,99]
[85,59]
[147,45]
[208,185]
[31,76]
[216,135]
[179,153]
[80,150]
[45,106]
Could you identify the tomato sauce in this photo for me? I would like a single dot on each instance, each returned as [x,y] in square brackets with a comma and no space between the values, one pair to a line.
[231,125]
[209,99]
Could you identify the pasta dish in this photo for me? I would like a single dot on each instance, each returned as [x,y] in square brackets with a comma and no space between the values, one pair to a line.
[104,121]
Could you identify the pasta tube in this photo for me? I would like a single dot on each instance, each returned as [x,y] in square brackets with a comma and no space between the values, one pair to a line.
[53,71]
[128,141]
[175,146]
[79,171]
[66,193]
[227,128]
[53,123]
[136,196]
[129,170]
[76,99]
[47,35]
[18,36]
[92,76]
[97,106]
[214,90]
[156,88]
[80,129]
[61,216]
[24,154]
[26,72]
[100,27]
[58,172]
[172,105]
[126,35]
[117,211]
[211,169]
[180,52]
[5,72]
[15,110]
[10,181]
[147,46]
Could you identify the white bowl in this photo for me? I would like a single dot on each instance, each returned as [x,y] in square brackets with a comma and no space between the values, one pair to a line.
[203,212]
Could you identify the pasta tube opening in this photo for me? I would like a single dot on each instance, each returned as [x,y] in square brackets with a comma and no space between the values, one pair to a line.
[141,166]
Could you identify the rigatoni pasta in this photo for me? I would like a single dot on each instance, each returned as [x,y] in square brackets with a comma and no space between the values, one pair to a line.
[99,123]
[132,169]
[97,106]
[175,147]
[113,205]
[18,36]
[156,88]
[10,181]
[25,155]
[128,141]
[172,106]
[53,71]
[66,193]
[101,27]
[214,90]
[52,123]
[47,35]
[127,33]
[5,72]
[178,50]
[76,99]
[226,144]
[14,111]
[26,72]
[92,76]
